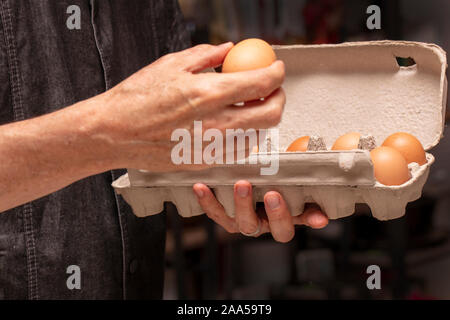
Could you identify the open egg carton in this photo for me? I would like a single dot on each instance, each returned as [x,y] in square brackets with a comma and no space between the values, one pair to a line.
[330,90]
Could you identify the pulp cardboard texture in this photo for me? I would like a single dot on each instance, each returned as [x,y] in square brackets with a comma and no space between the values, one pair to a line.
[330,90]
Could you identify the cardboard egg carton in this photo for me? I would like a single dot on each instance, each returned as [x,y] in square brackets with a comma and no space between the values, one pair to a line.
[330,90]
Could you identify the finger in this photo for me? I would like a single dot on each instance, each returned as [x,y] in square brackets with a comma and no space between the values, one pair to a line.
[246,218]
[237,155]
[203,56]
[312,217]
[243,144]
[232,148]
[247,85]
[280,219]
[213,209]
[242,147]
[255,114]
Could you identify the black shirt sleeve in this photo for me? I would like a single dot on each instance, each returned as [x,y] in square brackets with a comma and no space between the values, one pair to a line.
[179,37]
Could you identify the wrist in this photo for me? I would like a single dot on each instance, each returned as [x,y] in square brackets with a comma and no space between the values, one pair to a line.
[80,134]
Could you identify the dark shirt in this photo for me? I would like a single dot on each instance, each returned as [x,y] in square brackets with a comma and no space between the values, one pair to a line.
[45,66]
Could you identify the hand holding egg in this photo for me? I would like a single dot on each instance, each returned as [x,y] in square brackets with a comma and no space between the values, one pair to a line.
[176,90]
[248,55]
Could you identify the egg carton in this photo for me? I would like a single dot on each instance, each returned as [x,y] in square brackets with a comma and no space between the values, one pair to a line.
[330,90]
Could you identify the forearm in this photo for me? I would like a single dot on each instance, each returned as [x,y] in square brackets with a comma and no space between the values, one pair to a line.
[42,155]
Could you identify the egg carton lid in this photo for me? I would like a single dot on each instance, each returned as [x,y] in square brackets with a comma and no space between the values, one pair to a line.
[360,87]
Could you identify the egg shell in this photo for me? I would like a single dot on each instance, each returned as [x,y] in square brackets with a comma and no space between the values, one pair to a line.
[347,141]
[300,144]
[408,145]
[389,166]
[248,55]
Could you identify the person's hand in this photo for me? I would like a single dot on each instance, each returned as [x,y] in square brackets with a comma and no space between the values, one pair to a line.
[139,115]
[276,219]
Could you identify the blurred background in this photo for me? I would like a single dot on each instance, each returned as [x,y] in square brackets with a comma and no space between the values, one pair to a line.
[413,252]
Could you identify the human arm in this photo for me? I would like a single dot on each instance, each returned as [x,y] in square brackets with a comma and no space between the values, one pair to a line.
[130,125]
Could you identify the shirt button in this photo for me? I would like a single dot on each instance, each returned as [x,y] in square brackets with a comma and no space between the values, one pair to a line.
[133,266]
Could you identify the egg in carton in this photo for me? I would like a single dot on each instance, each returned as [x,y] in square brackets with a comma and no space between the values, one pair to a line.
[330,90]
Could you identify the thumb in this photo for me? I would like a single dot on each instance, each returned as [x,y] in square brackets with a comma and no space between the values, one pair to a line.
[312,217]
[205,56]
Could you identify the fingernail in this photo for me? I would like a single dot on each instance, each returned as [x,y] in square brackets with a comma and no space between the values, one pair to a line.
[199,193]
[242,191]
[226,44]
[315,221]
[273,201]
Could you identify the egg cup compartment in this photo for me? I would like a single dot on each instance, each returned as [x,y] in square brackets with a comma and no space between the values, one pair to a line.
[316,143]
[330,90]
[335,180]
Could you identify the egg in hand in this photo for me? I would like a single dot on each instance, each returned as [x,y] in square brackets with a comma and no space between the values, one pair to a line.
[248,55]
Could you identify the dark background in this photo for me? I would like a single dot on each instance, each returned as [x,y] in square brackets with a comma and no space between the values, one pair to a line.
[413,252]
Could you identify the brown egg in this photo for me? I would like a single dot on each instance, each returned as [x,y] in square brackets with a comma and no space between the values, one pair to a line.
[247,55]
[348,141]
[389,166]
[408,145]
[301,144]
